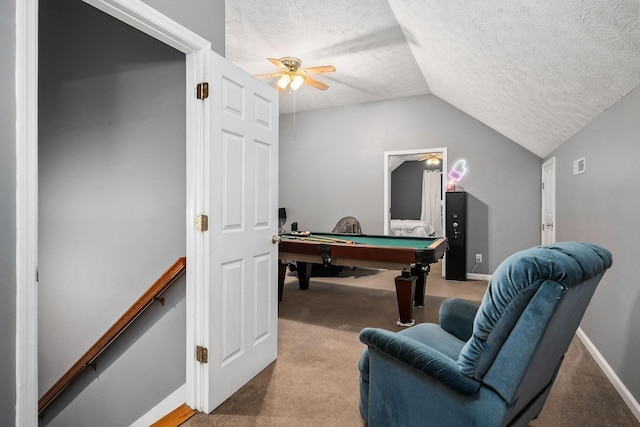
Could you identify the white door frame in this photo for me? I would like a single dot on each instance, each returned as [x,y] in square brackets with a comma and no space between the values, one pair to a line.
[387,178]
[148,20]
[548,230]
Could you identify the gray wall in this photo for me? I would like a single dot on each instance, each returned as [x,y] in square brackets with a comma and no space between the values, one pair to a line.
[332,166]
[112,171]
[203,17]
[7,214]
[602,206]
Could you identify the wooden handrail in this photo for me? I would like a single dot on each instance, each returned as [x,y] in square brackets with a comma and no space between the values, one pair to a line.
[152,294]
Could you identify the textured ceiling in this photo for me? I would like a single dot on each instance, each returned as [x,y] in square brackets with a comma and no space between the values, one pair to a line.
[535,71]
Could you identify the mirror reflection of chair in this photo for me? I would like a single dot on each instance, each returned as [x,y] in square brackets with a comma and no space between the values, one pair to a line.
[347,225]
[491,364]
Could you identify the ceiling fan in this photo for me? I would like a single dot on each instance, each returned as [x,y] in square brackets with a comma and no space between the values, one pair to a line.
[291,75]
[432,158]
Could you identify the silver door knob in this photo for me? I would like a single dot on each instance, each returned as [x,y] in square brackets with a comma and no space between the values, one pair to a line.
[275,239]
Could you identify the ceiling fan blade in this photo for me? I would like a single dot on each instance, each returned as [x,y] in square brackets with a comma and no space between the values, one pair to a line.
[264,76]
[320,69]
[277,63]
[318,85]
[427,156]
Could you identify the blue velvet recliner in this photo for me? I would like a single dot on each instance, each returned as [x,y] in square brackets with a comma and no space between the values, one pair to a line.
[486,365]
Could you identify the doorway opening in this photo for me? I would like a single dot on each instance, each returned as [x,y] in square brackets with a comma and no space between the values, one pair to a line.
[147,20]
[108,165]
[417,165]
[549,201]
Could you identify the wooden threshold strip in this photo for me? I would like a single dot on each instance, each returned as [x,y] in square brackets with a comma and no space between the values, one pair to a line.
[176,417]
[152,294]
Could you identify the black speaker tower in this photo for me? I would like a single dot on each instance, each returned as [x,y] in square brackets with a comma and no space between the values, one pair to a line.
[456,231]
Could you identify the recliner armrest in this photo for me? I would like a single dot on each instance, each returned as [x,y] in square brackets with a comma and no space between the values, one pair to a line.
[421,357]
[456,317]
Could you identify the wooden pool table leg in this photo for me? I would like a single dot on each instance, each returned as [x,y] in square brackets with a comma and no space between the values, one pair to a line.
[282,271]
[304,273]
[421,283]
[405,289]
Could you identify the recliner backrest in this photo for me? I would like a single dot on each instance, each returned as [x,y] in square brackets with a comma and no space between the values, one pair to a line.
[522,303]
[530,357]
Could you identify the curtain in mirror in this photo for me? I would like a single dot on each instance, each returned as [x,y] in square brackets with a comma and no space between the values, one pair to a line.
[431,199]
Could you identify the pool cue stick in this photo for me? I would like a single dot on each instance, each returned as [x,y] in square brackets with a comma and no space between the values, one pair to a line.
[316,239]
[320,239]
[308,236]
[334,239]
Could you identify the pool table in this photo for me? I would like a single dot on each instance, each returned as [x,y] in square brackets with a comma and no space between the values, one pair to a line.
[410,255]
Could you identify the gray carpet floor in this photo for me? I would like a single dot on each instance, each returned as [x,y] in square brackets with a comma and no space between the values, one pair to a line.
[314,381]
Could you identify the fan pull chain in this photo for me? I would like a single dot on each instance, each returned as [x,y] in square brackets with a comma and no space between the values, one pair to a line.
[294,114]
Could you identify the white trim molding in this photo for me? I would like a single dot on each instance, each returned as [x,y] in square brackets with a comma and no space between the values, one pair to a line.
[26,69]
[171,402]
[622,390]
[148,20]
[477,276]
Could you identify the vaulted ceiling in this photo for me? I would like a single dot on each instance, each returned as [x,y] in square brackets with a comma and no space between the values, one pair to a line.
[536,71]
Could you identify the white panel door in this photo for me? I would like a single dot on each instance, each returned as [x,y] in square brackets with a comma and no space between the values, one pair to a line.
[549,201]
[242,205]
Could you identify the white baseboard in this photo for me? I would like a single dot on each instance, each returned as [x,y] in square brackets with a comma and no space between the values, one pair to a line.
[170,403]
[628,398]
[476,276]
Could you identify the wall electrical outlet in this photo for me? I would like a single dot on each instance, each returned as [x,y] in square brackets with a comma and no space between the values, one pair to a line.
[478,257]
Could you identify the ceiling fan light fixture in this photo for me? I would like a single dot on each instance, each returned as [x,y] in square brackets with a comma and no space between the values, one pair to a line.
[284,81]
[297,81]
[292,76]
[433,160]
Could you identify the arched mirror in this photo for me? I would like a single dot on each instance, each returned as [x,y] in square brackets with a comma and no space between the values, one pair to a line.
[414,187]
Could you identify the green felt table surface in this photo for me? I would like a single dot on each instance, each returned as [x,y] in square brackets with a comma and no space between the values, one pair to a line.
[389,241]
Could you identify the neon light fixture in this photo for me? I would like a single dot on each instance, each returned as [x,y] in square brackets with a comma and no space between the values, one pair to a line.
[458,171]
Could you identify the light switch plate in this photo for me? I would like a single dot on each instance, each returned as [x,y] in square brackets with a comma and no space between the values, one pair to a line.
[579,166]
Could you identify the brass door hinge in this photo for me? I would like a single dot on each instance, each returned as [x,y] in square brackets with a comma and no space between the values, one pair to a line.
[202,354]
[202,90]
[202,222]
